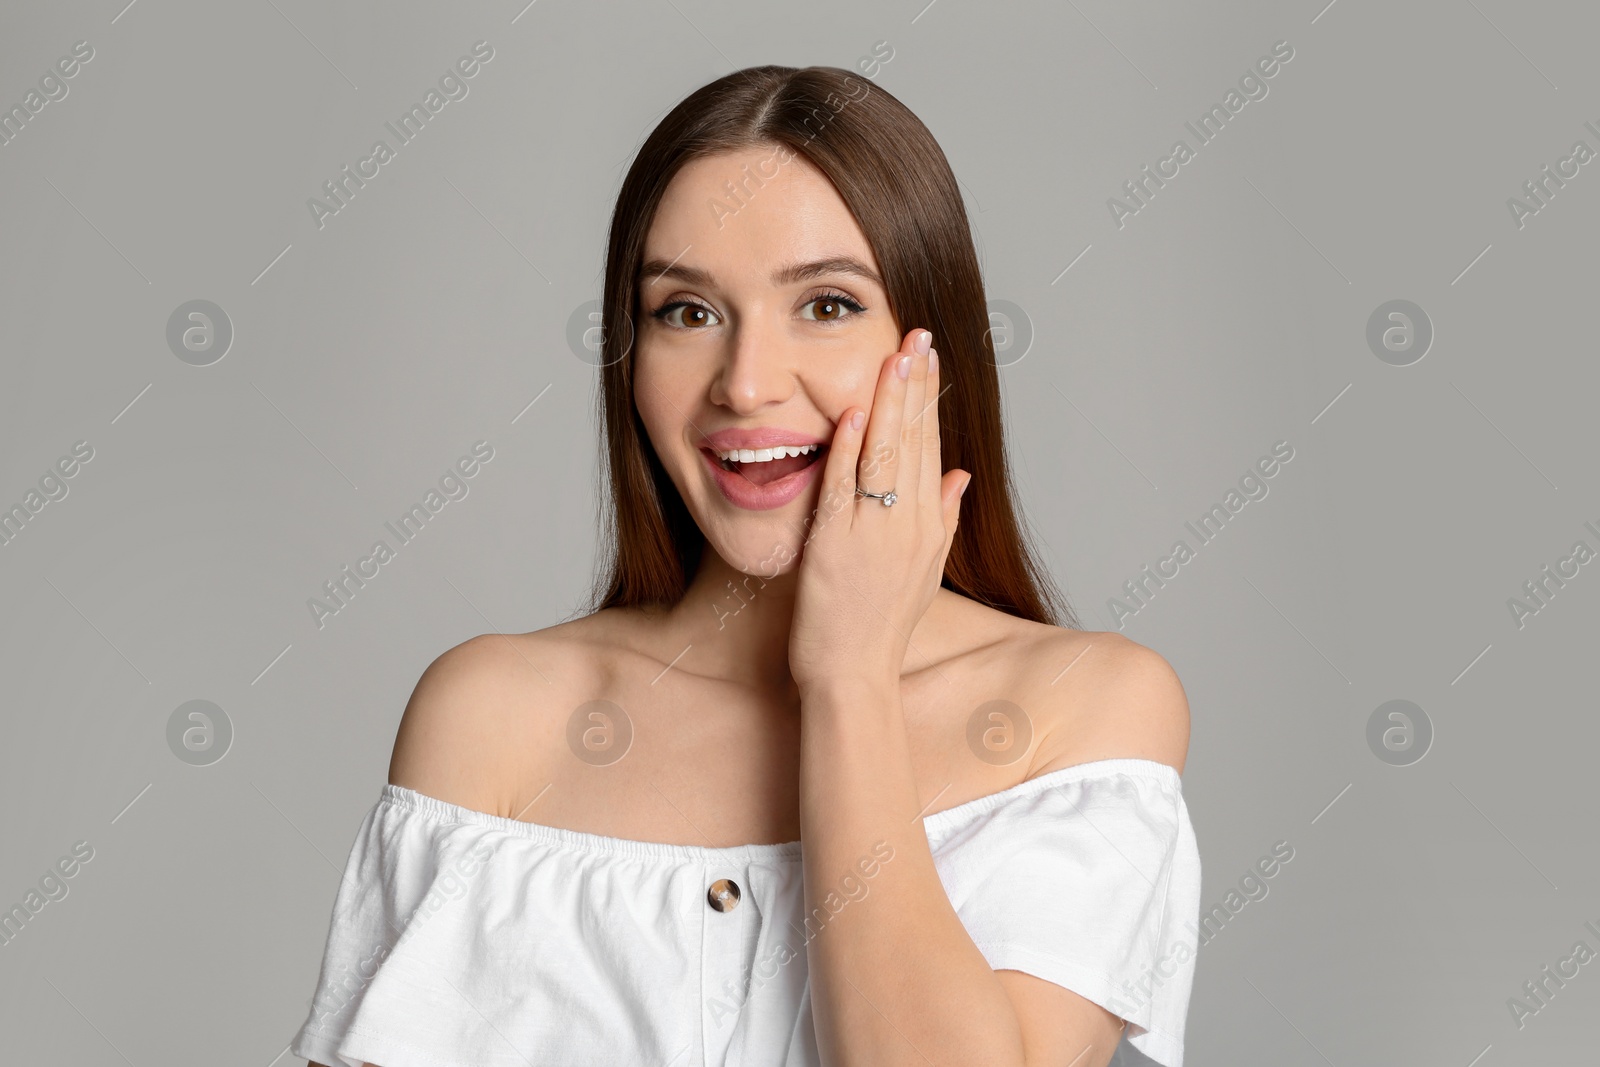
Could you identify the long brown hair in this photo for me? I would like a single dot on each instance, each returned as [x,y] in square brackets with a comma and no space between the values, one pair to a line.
[894,177]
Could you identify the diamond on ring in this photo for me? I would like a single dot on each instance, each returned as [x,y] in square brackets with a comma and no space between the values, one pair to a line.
[888,498]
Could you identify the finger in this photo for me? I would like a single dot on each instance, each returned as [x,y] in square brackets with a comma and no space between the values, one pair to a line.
[839,474]
[912,427]
[932,454]
[880,463]
[951,488]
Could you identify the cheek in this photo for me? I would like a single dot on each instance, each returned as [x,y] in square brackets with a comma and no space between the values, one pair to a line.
[850,385]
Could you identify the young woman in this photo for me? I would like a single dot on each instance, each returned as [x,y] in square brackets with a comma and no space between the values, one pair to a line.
[821,780]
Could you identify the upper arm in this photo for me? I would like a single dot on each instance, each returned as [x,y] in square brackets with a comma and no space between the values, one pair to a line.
[1119,700]
[469,720]
[1059,1026]
[462,720]
[1125,702]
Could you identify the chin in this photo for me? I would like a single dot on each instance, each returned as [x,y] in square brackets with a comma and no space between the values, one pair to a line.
[753,552]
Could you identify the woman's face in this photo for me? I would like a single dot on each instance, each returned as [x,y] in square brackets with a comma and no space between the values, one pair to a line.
[762,320]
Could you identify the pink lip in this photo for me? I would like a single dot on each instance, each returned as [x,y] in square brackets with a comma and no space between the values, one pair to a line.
[741,492]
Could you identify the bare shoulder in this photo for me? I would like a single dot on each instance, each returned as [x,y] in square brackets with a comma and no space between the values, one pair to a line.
[1100,695]
[486,707]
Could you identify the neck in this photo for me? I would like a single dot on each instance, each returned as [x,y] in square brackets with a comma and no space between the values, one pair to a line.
[738,623]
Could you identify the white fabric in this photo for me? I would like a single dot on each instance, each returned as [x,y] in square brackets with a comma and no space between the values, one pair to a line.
[464,939]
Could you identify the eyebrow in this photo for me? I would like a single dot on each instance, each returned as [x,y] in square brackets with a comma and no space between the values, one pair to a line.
[656,269]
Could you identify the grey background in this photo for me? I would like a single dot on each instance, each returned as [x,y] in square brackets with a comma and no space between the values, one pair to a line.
[1230,313]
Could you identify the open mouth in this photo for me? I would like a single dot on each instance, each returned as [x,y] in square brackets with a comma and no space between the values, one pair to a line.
[783,462]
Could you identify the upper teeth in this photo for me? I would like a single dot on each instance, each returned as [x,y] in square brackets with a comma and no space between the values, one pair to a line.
[764,455]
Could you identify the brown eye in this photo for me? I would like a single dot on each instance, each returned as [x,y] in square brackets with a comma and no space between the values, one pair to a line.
[832,307]
[695,317]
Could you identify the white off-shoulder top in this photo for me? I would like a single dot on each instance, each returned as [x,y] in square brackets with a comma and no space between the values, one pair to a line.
[465,939]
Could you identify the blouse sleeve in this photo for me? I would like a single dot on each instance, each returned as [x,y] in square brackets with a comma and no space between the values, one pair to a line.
[1090,880]
[403,921]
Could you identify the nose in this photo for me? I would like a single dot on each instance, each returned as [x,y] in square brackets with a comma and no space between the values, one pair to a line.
[756,368]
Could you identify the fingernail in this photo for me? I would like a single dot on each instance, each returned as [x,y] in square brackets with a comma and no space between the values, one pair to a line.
[902,366]
[964,487]
[857,419]
[923,342]
[933,360]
